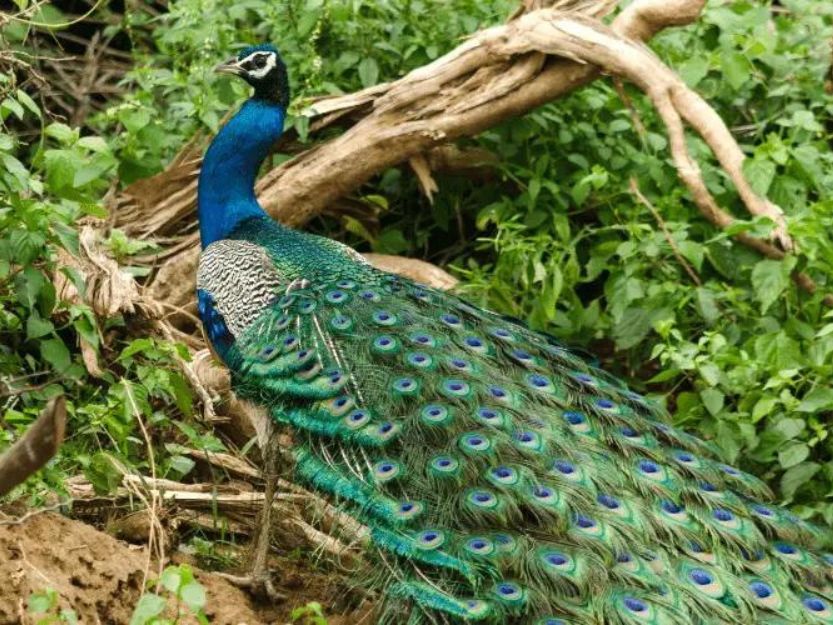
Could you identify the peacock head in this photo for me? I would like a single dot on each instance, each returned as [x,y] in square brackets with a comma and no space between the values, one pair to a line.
[262,67]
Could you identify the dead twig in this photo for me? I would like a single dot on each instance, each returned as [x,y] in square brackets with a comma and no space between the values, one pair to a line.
[634,186]
[21,520]
[247,504]
[156,534]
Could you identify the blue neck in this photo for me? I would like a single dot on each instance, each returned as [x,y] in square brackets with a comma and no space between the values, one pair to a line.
[226,193]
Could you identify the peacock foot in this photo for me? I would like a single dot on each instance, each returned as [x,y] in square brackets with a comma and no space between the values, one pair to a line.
[261,584]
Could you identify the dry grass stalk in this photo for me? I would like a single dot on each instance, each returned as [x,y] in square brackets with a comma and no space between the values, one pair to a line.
[296,512]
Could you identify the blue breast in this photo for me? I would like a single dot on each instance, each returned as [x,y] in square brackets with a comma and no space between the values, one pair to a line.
[214,324]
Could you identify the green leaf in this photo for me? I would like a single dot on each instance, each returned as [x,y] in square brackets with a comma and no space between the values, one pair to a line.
[193,595]
[28,102]
[134,119]
[147,608]
[792,455]
[632,327]
[171,579]
[60,168]
[60,132]
[769,279]
[56,354]
[15,168]
[94,210]
[797,476]
[713,400]
[710,372]
[86,327]
[37,327]
[552,289]
[41,602]
[760,173]
[94,144]
[693,252]
[789,428]
[181,464]
[707,305]
[694,70]
[820,398]
[68,237]
[136,346]
[9,105]
[391,241]
[762,408]
[102,473]
[368,72]
[806,120]
[735,69]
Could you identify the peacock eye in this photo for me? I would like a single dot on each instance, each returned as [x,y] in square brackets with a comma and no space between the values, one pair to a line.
[258,61]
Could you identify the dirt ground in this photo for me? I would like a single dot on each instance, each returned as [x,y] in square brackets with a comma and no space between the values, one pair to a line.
[100,578]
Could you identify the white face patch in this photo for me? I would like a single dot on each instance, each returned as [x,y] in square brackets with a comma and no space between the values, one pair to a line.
[268,60]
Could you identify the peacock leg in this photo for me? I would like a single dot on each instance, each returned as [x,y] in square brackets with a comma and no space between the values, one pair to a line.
[259,580]
[260,573]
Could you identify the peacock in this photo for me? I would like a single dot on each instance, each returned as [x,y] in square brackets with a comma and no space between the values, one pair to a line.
[502,478]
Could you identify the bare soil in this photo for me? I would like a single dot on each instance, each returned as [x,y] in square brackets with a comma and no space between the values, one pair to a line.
[100,578]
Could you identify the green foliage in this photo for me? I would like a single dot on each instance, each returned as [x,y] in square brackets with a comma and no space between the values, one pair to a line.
[211,555]
[178,596]
[331,47]
[47,184]
[44,609]
[310,614]
[744,354]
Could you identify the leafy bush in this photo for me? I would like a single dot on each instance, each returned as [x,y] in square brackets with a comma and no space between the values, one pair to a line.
[309,614]
[47,184]
[44,609]
[743,356]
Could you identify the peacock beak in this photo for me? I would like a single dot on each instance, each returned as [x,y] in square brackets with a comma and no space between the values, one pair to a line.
[232,66]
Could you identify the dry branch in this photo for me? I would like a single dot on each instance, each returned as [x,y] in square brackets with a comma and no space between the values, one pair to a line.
[296,510]
[36,447]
